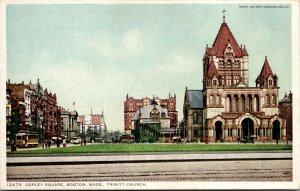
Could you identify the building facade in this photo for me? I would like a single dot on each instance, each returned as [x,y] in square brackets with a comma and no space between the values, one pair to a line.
[20,103]
[34,110]
[233,110]
[51,116]
[8,116]
[132,105]
[69,125]
[93,126]
[193,115]
[286,112]
[151,123]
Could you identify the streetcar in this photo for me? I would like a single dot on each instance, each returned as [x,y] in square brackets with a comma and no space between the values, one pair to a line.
[127,139]
[27,139]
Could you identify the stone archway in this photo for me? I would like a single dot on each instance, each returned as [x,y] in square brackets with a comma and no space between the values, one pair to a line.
[247,128]
[219,130]
[276,130]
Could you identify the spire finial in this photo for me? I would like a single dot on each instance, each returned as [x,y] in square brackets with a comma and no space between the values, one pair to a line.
[224,11]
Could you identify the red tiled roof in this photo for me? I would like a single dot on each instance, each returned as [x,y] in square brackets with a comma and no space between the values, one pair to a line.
[266,70]
[212,70]
[223,38]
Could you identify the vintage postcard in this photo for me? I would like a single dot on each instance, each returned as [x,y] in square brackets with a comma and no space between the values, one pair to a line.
[118,95]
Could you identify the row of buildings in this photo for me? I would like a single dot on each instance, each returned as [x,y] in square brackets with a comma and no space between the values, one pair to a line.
[32,109]
[227,109]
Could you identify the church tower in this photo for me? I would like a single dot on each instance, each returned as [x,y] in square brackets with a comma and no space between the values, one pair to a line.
[231,108]
[225,64]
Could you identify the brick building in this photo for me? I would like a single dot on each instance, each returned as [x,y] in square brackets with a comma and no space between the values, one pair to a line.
[51,116]
[132,105]
[34,109]
[286,112]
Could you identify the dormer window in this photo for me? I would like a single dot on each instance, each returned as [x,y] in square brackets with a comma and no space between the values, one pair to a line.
[214,82]
[270,82]
[154,114]
[229,53]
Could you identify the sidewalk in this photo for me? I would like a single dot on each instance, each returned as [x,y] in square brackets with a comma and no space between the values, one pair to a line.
[146,158]
[8,149]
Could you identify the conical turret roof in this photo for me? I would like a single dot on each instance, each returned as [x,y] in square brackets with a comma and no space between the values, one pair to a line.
[266,70]
[212,70]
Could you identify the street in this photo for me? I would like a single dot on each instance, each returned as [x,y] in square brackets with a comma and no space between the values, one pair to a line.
[239,170]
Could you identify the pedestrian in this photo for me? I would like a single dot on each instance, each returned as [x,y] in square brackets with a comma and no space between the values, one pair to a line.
[49,143]
[46,143]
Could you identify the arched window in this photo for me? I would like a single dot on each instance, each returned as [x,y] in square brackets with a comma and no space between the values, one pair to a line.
[257,109]
[243,103]
[195,117]
[235,103]
[250,102]
[268,100]
[273,100]
[163,115]
[229,103]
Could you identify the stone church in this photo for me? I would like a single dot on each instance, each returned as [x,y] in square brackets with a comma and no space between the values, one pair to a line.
[231,109]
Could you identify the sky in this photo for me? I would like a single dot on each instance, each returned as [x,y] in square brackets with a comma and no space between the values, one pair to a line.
[94,54]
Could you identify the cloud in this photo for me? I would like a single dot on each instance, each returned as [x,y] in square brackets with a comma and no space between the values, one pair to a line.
[128,45]
[133,42]
[176,62]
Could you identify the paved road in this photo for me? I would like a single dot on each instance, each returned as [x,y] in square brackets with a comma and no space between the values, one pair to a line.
[246,170]
[146,158]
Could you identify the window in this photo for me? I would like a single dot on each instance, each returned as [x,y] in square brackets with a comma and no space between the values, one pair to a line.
[267,100]
[243,103]
[249,102]
[214,82]
[218,100]
[273,100]
[195,132]
[270,82]
[195,118]
[199,118]
[229,103]
[154,114]
[163,115]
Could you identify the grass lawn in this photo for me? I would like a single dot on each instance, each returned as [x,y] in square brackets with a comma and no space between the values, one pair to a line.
[140,148]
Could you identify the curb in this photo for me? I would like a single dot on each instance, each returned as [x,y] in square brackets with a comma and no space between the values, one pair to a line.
[10,164]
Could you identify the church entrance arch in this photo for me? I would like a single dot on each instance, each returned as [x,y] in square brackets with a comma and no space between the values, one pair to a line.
[219,131]
[247,128]
[276,130]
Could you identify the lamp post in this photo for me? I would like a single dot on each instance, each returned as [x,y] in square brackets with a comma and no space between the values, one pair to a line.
[277,135]
[42,132]
[57,141]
